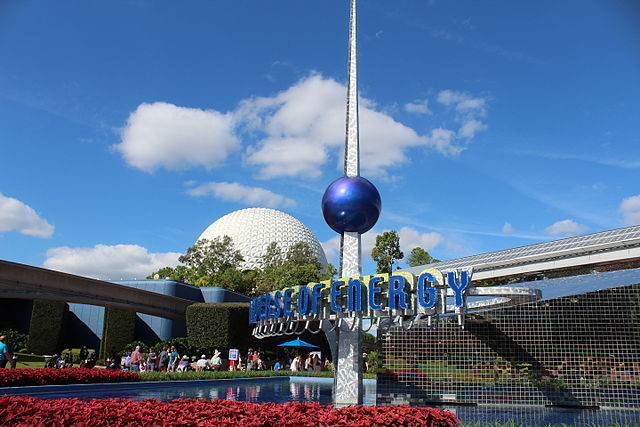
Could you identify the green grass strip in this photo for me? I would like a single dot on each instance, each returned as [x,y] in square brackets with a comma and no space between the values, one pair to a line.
[212,375]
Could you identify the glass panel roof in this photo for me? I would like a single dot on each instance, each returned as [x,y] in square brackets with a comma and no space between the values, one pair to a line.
[620,237]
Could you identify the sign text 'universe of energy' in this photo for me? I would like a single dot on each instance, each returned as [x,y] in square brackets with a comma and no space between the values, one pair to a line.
[400,293]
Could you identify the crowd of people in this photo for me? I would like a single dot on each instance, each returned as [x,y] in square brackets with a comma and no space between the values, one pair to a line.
[167,359]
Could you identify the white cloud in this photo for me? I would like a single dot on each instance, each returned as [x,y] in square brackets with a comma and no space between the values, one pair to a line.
[507,228]
[294,133]
[162,135]
[109,262]
[630,209]
[233,191]
[331,250]
[369,241]
[17,216]
[420,106]
[463,102]
[304,125]
[411,238]
[567,226]
[468,110]
[470,127]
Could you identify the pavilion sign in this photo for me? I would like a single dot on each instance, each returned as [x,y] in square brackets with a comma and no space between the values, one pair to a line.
[401,294]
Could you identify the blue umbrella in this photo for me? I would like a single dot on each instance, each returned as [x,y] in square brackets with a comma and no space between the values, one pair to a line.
[297,343]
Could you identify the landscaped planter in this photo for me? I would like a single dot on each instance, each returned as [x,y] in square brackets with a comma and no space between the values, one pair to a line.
[46,376]
[22,410]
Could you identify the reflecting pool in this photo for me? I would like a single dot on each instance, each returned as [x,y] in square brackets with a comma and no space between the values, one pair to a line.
[287,389]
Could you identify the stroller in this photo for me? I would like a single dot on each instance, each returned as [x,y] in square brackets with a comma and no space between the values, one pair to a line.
[54,361]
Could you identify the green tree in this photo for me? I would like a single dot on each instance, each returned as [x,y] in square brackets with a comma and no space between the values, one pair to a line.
[178,273]
[211,263]
[272,257]
[301,254]
[210,257]
[386,251]
[330,273]
[419,256]
[297,267]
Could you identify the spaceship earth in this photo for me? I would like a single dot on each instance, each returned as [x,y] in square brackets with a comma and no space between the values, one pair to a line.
[253,229]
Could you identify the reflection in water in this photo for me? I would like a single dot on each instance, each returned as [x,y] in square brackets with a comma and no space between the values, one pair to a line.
[308,392]
[233,393]
[214,393]
[282,390]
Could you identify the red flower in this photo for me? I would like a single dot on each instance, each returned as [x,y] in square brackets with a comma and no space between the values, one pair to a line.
[28,377]
[23,411]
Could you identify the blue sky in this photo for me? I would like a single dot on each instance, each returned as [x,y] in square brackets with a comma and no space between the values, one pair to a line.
[127,127]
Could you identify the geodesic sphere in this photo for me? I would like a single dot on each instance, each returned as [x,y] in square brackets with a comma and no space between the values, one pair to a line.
[253,229]
[351,204]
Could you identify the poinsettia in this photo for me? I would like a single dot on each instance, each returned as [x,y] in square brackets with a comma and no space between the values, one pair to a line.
[29,377]
[23,411]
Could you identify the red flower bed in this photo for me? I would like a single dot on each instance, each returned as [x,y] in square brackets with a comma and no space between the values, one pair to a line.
[25,377]
[23,411]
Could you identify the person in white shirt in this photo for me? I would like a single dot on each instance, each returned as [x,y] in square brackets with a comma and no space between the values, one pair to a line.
[295,364]
[216,361]
[202,364]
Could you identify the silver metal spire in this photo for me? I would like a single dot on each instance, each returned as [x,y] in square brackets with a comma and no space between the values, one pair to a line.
[350,247]
[348,389]
[351,146]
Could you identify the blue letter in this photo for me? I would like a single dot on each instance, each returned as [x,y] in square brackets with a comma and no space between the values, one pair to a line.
[354,295]
[316,295]
[286,302]
[277,300]
[335,294]
[458,287]
[424,290]
[251,315]
[373,290]
[270,311]
[264,313]
[303,300]
[397,295]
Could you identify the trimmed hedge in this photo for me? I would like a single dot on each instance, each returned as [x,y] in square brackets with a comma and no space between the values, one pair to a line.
[48,323]
[218,325]
[118,331]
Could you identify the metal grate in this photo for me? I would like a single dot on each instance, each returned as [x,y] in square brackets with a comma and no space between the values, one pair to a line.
[577,350]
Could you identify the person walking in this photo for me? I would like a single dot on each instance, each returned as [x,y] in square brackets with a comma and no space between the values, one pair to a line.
[152,360]
[5,356]
[163,359]
[136,359]
[174,358]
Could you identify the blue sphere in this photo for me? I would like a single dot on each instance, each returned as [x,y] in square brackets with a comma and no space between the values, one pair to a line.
[351,204]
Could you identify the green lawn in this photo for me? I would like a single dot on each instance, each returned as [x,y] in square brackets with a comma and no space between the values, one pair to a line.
[210,375]
[26,360]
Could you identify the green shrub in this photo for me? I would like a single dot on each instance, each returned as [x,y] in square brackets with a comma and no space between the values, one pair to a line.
[48,321]
[119,329]
[16,341]
[222,325]
[144,347]
[372,361]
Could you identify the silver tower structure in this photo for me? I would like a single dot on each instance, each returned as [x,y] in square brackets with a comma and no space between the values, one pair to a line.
[348,388]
